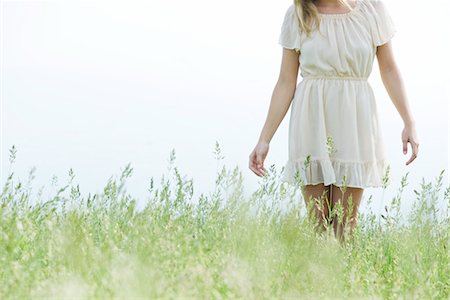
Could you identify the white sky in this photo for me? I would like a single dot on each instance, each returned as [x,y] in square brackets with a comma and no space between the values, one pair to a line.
[94,85]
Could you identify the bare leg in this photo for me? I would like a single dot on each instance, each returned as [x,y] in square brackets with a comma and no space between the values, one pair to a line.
[350,201]
[318,194]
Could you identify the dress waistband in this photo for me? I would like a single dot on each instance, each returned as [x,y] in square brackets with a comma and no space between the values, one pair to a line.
[335,77]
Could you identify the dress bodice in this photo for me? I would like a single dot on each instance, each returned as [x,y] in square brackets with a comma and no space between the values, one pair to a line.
[345,44]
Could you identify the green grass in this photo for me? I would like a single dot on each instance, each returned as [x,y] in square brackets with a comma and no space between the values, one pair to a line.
[220,246]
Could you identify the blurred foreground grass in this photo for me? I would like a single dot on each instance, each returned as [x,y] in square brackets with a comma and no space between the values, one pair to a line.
[221,245]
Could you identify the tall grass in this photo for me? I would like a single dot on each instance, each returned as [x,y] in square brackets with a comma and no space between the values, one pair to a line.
[223,245]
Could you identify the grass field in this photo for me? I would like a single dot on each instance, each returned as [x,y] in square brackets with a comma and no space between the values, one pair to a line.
[219,246]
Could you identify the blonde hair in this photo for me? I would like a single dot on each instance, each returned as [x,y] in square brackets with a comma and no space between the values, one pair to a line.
[308,15]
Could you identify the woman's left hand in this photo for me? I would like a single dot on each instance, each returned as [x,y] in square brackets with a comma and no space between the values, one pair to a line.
[409,135]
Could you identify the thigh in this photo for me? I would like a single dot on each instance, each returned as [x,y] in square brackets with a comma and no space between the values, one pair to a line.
[314,192]
[351,196]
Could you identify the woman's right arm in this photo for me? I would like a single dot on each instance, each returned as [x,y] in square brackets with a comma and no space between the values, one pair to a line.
[279,105]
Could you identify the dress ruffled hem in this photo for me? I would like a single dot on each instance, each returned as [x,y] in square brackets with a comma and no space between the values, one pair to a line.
[331,171]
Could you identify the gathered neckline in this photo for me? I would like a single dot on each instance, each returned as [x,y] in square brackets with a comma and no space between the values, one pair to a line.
[340,15]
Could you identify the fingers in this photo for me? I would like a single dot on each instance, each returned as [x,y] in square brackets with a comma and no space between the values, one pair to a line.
[259,160]
[415,151]
[416,148]
[405,146]
[259,164]
[256,167]
[413,157]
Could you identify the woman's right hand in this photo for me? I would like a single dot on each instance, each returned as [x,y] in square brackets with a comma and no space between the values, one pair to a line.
[257,157]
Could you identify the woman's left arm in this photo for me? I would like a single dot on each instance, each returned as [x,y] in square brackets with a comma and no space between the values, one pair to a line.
[392,80]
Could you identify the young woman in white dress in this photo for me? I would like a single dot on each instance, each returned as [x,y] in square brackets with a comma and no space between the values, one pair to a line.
[335,100]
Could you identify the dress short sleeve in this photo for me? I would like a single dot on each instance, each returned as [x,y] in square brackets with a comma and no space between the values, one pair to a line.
[383,27]
[290,32]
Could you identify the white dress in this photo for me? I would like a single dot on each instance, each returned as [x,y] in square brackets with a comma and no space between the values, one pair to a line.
[334,115]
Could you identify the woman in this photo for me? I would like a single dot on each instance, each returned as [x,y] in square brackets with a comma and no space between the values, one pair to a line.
[335,143]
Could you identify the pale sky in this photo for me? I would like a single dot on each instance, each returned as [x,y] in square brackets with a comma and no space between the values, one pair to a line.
[93,85]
